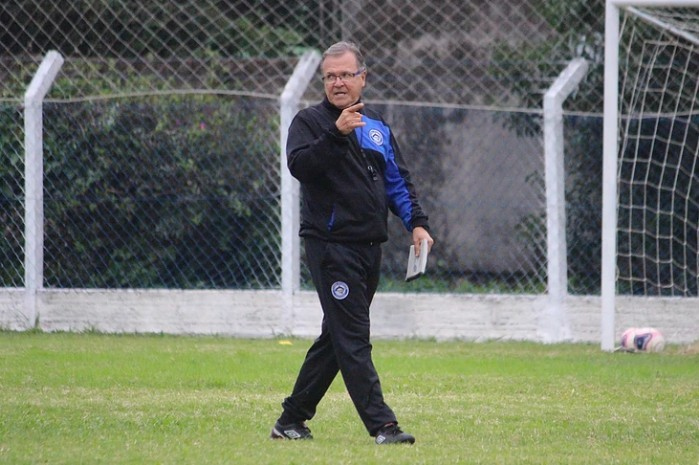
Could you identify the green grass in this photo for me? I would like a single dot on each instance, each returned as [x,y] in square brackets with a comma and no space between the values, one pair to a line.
[91,398]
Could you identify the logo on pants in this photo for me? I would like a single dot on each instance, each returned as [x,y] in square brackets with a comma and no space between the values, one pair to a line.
[340,290]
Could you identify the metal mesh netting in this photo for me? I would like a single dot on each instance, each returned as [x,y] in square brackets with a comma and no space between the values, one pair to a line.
[115,48]
[681,19]
[161,134]
[479,51]
[152,194]
[658,205]
[11,196]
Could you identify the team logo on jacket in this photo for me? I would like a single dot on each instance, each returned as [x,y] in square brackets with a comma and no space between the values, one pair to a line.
[340,290]
[376,136]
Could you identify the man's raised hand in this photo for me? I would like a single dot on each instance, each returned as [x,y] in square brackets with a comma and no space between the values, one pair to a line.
[350,119]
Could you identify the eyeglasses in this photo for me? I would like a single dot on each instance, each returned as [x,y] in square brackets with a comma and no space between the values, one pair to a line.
[344,77]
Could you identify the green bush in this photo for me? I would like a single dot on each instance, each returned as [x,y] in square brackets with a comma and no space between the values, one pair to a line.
[11,196]
[175,191]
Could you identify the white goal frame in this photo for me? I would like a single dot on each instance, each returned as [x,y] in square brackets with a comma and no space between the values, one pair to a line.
[610,154]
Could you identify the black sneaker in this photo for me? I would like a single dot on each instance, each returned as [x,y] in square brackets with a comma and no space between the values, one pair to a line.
[392,434]
[291,431]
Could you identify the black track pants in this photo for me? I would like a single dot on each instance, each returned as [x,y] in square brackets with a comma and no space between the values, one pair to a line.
[346,277]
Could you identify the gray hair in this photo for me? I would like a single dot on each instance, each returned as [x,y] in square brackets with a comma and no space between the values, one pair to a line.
[340,48]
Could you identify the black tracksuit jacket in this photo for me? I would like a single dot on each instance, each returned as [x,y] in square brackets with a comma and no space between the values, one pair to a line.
[348,183]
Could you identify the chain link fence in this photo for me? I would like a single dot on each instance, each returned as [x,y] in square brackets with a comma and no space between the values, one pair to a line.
[155,193]
[161,135]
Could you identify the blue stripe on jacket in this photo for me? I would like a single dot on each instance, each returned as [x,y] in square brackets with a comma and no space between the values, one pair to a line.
[376,136]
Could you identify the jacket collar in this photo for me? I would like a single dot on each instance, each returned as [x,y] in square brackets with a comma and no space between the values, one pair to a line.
[332,108]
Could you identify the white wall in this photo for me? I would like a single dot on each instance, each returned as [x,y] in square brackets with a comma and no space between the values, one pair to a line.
[263,314]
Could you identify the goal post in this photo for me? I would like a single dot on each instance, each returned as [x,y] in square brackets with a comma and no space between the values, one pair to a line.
[650,212]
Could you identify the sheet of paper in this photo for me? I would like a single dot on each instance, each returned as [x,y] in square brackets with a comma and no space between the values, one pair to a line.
[417,265]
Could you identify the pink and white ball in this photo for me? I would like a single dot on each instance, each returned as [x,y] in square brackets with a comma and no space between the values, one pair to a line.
[642,340]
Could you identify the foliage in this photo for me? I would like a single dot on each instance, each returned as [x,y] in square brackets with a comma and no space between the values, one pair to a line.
[11,195]
[472,283]
[111,47]
[133,29]
[666,263]
[525,67]
[155,193]
[583,165]
[168,191]
[420,149]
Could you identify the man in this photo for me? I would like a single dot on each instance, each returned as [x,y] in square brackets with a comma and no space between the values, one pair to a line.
[351,173]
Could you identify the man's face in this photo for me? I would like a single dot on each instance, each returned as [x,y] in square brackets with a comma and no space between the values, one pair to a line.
[343,85]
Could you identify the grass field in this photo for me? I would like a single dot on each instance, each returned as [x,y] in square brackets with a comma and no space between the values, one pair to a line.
[110,399]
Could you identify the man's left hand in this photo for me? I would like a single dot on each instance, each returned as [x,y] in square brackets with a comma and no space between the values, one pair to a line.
[420,233]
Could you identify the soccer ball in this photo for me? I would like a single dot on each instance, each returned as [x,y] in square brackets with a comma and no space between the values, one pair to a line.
[642,340]
[627,339]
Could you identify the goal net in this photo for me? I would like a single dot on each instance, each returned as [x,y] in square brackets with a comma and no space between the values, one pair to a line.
[657,160]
